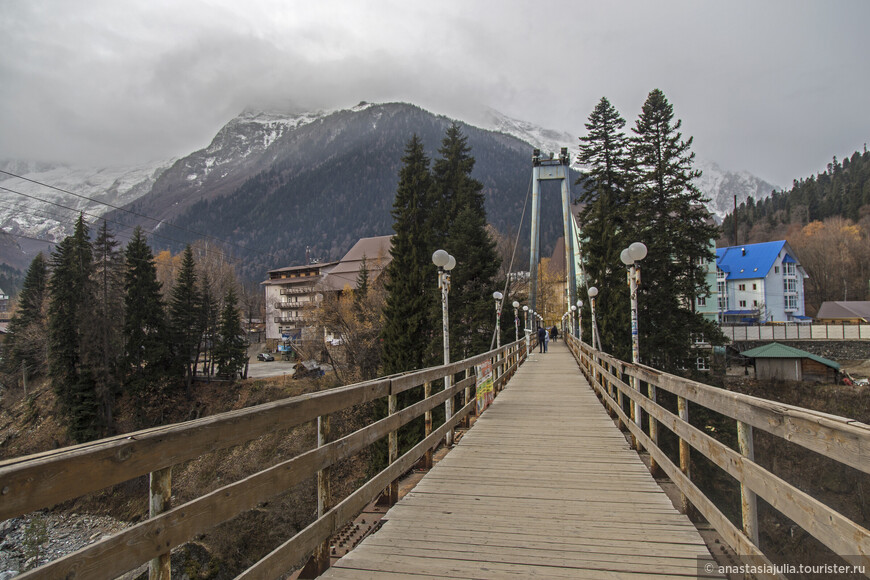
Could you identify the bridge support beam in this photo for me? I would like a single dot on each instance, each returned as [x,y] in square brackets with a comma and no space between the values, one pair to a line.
[552,170]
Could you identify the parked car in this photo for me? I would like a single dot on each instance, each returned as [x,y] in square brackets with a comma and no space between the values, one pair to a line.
[265,357]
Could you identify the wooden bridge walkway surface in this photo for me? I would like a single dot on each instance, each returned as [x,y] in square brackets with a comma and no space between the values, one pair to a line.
[544,485]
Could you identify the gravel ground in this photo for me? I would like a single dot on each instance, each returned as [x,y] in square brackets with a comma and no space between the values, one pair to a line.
[32,540]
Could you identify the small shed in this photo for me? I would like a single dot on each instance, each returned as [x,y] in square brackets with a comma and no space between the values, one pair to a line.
[777,361]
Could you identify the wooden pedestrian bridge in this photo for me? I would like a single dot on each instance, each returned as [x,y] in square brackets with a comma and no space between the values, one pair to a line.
[548,482]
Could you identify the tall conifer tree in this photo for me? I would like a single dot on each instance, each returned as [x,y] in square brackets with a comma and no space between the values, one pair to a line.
[146,333]
[105,331]
[230,351]
[71,293]
[184,316]
[24,345]
[208,318]
[410,276]
[671,219]
[459,223]
[603,152]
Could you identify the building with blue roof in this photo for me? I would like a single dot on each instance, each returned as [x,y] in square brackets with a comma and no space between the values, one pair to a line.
[760,283]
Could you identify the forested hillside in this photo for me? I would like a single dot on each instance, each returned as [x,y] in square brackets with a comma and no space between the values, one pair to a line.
[843,190]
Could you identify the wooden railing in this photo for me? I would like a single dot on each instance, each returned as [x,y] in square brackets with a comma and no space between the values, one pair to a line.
[46,479]
[844,440]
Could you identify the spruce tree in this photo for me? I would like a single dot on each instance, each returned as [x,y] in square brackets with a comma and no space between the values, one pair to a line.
[185,319]
[24,345]
[148,358]
[603,152]
[410,275]
[71,297]
[459,223]
[104,333]
[669,216]
[208,318]
[230,351]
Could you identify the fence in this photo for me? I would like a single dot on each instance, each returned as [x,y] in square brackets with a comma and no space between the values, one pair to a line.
[798,332]
[619,383]
[46,479]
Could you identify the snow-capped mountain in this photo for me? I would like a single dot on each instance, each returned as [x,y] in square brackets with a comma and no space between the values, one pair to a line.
[547,140]
[721,185]
[35,210]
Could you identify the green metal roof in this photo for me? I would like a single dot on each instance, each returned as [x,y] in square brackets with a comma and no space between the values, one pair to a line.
[776,350]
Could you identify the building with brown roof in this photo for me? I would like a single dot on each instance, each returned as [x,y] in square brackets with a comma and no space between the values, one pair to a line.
[855,312]
[289,291]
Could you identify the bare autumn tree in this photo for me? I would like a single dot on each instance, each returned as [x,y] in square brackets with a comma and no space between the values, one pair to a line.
[356,317]
[834,255]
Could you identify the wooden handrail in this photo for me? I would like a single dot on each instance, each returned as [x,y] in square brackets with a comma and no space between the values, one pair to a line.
[45,479]
[845,440]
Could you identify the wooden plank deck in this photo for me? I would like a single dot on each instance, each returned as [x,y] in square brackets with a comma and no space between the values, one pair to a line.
[544,485]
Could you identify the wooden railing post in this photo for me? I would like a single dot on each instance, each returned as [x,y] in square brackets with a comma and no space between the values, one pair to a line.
[393,493]
[634,412]
[620,399]
[159,494]
[466,398]
[685,466]
[653,428]
[748,504]
[324,496]
[427,392]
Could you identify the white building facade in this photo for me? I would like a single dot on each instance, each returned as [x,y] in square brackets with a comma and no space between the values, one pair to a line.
[760,283]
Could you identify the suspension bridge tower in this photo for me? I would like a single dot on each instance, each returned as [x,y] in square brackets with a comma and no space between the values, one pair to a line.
[552,169]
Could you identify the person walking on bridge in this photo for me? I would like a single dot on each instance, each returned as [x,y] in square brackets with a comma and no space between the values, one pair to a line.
[542,339]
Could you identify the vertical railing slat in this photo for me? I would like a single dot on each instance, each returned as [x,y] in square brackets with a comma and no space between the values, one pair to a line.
[748,502]
[159,495]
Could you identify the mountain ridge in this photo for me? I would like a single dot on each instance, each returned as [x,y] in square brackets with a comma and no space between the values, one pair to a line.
[286,145]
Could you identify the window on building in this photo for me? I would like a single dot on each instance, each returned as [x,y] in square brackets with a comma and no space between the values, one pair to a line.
[776,269]
[741,287]
[755,302]
[702,363]
[755,286]
[790,302]
[743,303]
[702,302]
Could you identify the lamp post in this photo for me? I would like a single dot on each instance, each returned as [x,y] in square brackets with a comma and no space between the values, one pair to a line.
[497,296]
[630,256]
[445,263]
[516,306]
[525,317]
[580,320]
[593,292]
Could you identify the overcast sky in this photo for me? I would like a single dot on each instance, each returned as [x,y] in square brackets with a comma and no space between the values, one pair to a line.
[776,88]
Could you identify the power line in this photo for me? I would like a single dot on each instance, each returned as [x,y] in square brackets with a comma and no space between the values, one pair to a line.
[137,214]
[98,217]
